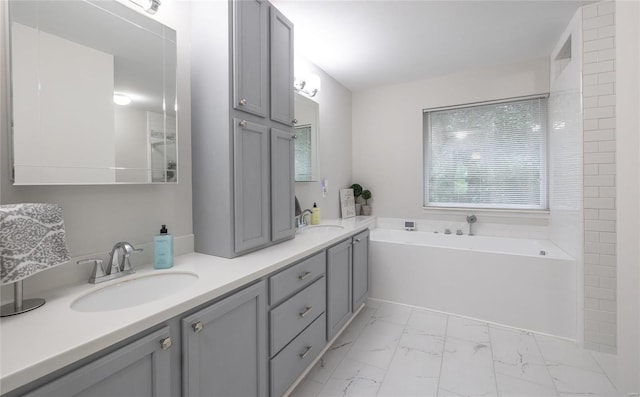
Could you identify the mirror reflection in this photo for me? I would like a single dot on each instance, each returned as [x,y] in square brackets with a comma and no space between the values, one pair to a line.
[306,143]
[93,94]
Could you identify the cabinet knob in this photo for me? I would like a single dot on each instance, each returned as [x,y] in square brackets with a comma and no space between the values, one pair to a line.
[304,275]
[294,121]
[243,102]
[243,123]
[295,136]
[197,327]
[304,353]
[165,344]
[305,311]
[355,241]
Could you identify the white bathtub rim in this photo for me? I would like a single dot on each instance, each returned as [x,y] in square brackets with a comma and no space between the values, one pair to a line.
[493,323]
[557,252]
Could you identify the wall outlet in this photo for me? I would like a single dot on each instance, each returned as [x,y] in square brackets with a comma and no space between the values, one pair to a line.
[409,225]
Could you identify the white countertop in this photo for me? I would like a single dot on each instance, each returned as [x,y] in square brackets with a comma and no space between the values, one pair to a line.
[39,342]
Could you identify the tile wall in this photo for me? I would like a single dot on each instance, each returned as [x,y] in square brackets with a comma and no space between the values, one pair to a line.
[599,101]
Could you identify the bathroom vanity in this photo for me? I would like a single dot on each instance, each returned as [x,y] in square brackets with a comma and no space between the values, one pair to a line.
[249,326]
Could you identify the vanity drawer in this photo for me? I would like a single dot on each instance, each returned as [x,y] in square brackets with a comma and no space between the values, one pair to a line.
[296,357]
[295,314]
[296,277]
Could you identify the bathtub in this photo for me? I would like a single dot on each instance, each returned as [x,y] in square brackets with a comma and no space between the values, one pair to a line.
[496,279]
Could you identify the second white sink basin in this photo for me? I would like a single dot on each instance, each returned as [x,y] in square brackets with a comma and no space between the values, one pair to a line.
[134,291]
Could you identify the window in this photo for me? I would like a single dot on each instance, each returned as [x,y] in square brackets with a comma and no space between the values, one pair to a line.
[487,155]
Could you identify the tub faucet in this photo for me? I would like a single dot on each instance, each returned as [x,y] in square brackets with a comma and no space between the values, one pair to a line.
[471,219]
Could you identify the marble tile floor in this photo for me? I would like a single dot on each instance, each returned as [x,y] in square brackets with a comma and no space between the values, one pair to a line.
[391,350]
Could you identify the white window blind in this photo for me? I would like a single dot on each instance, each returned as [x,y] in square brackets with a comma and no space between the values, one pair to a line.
[488,155]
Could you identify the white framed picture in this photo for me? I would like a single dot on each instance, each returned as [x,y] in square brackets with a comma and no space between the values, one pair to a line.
[347,203]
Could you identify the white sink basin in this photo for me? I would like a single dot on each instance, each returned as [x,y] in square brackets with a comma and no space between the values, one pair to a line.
[134,291]
[320,229]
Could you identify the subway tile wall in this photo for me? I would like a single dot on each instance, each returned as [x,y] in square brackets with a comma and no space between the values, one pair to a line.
[599,107]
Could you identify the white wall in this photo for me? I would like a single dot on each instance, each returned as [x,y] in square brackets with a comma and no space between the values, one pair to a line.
[565,154]
[628,195]
[96,217]
[387,128]
[334,133]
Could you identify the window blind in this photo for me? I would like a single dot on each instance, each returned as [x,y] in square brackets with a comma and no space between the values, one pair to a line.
[490,155]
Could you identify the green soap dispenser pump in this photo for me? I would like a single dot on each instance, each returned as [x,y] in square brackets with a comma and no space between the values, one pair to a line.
[163,249]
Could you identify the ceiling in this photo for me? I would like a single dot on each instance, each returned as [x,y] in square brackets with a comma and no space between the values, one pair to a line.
[364,44]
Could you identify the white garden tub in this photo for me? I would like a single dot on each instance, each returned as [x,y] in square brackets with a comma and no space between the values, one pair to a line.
[529,284]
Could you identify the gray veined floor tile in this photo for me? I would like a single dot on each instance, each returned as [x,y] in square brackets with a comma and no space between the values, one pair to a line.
[322,370]
[573,380]
[377,343]
[559,351]
[425,322]
[408,386]
[467,369]
[516,354]
[509,386]
[353,378]
[373,303]
[609,364]
[417,356]
[471,330]
[356,326]
[396,314]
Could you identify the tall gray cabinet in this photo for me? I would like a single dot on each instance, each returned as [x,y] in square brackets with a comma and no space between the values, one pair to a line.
[242,134]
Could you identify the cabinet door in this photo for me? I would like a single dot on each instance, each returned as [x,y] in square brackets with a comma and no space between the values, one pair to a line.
[338,287]
[250,56]
[282,185]
[141,368]
[224,347]
[251,185]
[281,68]
[360,268]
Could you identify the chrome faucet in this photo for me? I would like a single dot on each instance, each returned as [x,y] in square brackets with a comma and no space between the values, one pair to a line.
[119,263]
[471,219]
[301,220]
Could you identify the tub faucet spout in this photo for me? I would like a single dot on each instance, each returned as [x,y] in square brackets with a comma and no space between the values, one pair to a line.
[471,219]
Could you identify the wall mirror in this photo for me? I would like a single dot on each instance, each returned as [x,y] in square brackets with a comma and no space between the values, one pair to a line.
[93,89]
[306,144]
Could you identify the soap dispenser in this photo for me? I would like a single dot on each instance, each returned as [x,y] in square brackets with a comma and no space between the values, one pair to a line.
[315,215]
[163,249]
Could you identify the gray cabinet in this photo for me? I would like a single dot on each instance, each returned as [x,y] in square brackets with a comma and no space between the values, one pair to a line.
[339,308]
[282,185]
[250,57]
[243,176]
[140,368]
[281,54]
[251,188]
[225,347]
[360,271]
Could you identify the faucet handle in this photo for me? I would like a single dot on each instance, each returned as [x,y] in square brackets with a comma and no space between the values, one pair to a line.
[128,250]
[98,268]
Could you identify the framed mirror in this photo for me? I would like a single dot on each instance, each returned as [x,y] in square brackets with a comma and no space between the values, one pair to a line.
[93,94]
[306,143]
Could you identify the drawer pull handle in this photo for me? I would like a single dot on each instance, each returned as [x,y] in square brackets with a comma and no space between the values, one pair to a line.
[304,275]
[304,354]
[305,311]
[165,344]
[197,327]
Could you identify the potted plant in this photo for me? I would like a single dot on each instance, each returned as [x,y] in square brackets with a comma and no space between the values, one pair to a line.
[366,208]
[357,191]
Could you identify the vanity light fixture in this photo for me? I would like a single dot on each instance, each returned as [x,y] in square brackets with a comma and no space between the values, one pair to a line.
[308,85]
[150,6]
[121,99]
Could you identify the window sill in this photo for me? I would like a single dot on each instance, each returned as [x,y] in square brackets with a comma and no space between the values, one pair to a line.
[497,213]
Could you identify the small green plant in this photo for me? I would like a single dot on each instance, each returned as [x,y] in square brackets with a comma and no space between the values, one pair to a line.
[357,190]
[366,195]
